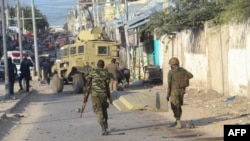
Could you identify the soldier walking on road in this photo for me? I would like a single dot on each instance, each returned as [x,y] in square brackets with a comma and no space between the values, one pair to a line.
[25,73]
[178,80]
[100,93]
[12,75]
[113,69]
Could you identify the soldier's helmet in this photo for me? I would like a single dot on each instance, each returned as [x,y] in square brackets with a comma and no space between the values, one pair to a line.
[174,61]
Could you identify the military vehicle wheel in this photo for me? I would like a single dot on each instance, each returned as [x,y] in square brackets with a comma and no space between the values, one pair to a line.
[57,84]
[77,83]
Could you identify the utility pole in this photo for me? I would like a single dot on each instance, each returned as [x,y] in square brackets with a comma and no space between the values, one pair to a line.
[126,34]
[95,20]
[7,16]
[6,68]
[97,13]
[126,7]
[37,71]
[19,31]
[93,10]
[22,21]
[79,18]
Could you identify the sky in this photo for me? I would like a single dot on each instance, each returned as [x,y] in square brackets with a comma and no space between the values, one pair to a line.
[55,10]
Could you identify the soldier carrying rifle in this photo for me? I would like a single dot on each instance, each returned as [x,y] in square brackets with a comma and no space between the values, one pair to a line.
[98,86]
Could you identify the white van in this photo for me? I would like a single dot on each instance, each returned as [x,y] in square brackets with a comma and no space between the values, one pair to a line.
[15,56]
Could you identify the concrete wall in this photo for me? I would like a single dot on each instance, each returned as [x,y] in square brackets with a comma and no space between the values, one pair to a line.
[219,57]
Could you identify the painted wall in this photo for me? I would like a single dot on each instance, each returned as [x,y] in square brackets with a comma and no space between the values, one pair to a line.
[157,52]
[219,57]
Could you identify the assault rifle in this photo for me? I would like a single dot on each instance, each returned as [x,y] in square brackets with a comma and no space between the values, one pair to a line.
[86,95]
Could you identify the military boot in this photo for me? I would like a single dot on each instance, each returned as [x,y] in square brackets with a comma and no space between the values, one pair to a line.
[178,124]
[173,124]
[104,129]
[106,124]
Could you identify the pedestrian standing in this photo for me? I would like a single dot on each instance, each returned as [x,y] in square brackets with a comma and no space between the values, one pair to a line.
[178,80]
[25,73]
[12,69]
[98,80]
[113,70]
[46,66]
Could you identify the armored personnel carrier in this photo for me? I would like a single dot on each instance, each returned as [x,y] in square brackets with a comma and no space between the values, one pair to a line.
[79,58]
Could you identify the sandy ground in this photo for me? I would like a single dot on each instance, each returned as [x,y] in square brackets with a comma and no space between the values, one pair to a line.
[210,111]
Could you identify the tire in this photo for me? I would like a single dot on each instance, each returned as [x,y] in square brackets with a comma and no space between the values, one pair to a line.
[57,84]
[77,83]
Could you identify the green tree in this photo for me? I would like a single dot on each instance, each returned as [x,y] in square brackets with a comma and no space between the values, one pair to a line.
[192,14]
[183,15]
[41,21]
[234,11]
[65,26]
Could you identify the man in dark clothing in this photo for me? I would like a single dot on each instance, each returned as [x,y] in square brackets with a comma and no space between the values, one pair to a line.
[46,66]
[12,75]
[25,73]
[113,70]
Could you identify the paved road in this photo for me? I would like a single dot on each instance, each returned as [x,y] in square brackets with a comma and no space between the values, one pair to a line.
[42,115]
[47,116]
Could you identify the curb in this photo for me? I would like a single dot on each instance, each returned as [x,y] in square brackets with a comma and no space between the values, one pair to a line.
[17,102]
[134,100]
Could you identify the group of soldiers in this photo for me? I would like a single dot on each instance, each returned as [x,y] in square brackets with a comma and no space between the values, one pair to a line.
[103,80]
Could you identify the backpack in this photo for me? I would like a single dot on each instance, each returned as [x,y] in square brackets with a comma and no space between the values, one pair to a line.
[181,78]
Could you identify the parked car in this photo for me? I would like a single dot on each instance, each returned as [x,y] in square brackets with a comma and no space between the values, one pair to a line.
[15,56]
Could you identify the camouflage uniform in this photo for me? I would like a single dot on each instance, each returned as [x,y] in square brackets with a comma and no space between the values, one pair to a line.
[98,90]
[178,78]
